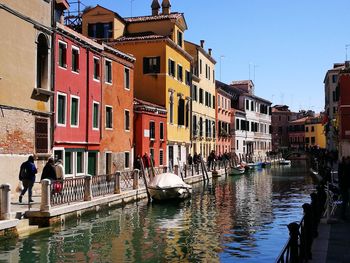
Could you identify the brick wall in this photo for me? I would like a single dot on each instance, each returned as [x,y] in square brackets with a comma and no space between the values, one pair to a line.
[16,132]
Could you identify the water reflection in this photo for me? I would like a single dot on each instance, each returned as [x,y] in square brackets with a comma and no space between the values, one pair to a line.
[241,219]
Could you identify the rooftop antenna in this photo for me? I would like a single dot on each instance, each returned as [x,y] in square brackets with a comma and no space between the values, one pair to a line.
[346,51]
[221,57]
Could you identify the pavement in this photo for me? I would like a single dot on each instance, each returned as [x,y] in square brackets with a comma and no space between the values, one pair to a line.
[20,208]
[333,243]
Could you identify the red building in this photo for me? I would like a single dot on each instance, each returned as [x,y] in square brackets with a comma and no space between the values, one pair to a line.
[77,103]
[343,90]
[297,133]
[224,122]
[117,111]
[150,131]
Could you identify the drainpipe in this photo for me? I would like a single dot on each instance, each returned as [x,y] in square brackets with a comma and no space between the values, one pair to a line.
[87,97]
[52,70]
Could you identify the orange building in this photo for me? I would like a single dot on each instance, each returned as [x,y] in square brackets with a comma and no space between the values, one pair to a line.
[116,148]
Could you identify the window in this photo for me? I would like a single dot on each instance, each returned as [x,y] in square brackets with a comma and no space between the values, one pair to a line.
[206,70]
[61,108]
[171,69]
[62,54]
[108,71]
[247,104]
[126,160]
[161,131]
[313,140]
[237,124]
[68,162]
[179,73]
[151,65]
[41,135]
[252,108]
[179,151]
[307,140]
[127,78]
[312,128]
[334,78]
[74,111]
[100,30]
[96,69]
[187,114]
[42,62]
[201,95]
[195,93]
[92,163]
[181,112]
[179,38]
[75,59]
[188,78]
[80,162]
[213,102]
[171,108]
[108,164]
[109,117]
[307,129]
[95,115]
[200,66]
[127,120]
[194,126]
[152,130]
[161,157]
[201,127]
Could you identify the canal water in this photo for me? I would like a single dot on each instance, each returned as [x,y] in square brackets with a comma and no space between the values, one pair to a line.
[233,219]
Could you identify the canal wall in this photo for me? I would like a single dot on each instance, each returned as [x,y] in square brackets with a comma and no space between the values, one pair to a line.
[29,221]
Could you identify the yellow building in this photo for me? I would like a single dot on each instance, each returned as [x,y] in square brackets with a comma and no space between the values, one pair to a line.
[314,132]
[162,68]
[203,99]
[25,84]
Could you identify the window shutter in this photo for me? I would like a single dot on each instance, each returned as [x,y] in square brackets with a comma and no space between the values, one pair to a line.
[41,135]
[145,65]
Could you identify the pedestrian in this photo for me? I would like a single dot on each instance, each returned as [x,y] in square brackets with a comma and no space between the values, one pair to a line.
[137,162]
[189,159]
[146,160]
[27,176]
[60,176]
[49,171]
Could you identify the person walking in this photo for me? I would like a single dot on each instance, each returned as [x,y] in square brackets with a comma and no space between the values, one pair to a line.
[137,162]
[27,176]
[189,159]
[49,171]
[59,170]
[343,175]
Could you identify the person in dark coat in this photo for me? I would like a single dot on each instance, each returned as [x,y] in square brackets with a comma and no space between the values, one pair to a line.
[146,160]
[49,171]
[137,162]
[27,176]
[189,159]
[344,183]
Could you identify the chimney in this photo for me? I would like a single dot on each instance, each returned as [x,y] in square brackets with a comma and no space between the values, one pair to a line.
[155,8]
[210,50]
[202,43]
[166,7]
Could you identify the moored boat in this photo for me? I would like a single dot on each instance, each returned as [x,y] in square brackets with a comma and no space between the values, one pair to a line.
[168,186]
[285,162]
[236,170]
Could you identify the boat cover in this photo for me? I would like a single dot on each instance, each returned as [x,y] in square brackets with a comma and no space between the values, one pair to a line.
[167,180]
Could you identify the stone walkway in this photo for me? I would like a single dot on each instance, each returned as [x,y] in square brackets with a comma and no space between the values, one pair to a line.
[333,242]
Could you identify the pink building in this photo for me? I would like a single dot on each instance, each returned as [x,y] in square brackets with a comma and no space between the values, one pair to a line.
[224,122]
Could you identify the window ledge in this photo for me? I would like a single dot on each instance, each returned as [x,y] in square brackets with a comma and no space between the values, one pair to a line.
[40,91]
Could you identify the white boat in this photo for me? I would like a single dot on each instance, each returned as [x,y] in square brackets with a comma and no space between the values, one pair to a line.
[285,162]
[236,170]
[168,186]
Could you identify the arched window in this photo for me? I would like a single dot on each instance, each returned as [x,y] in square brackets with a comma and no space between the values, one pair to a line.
[42,71]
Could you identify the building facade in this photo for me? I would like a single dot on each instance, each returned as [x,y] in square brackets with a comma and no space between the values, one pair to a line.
[331,90]
[203,99]
[344,112]
[314,132]
[253,129]
[25,84]
[224,122]
[296,133]
[162,67]
[150,131]
[281,116]
[77,103]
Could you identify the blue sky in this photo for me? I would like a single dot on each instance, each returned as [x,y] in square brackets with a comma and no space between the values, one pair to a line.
[286,45]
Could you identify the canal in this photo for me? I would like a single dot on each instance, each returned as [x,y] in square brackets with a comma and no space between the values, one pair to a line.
[234,219]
